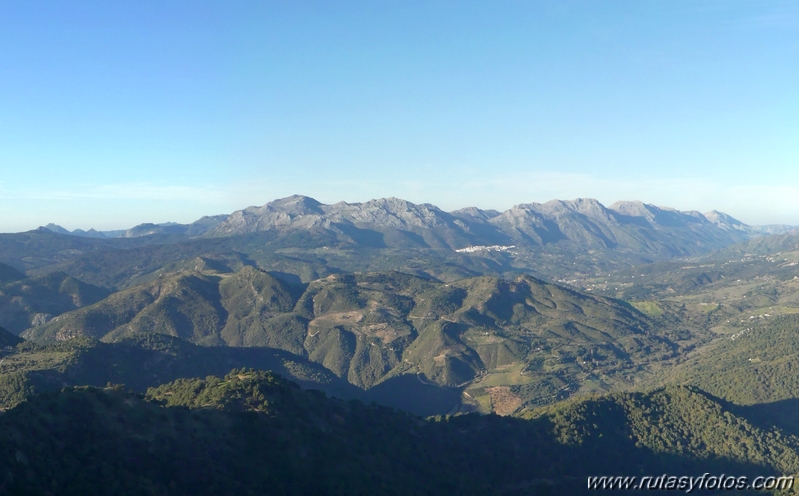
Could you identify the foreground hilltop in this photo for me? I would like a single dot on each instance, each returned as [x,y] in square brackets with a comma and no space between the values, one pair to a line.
[252,432]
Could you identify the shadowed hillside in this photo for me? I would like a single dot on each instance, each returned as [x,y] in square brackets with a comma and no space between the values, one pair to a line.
[252,432]
[144,361]
[26,302]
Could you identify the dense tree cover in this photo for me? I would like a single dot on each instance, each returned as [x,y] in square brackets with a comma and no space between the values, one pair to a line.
[683,421]
[758,364]
[25,302]
[252,432]
[144,361]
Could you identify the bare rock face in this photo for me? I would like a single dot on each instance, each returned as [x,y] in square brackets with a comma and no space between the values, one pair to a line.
[583,206]
[658,216]
[391,212]
[294,211]
[40,319]
[474,213]
[725,221]
[585,223]
[303,212]
[628,225]
[635,209]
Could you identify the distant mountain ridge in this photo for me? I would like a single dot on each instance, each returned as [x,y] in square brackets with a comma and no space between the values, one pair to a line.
[627,226]
[197,227]
[91,233]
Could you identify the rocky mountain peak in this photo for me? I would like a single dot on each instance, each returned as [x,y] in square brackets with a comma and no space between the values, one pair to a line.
[56,229]
[634,208]
[474,213]
[725,221]
[395,212]
[293,205]
[658,216]
[584,222]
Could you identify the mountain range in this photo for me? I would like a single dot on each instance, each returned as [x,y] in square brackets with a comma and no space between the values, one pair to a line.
[627,226]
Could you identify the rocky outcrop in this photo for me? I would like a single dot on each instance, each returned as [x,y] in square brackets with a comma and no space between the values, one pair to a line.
[630,225]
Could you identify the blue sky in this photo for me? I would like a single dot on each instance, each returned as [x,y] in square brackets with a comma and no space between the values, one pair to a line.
[118,113]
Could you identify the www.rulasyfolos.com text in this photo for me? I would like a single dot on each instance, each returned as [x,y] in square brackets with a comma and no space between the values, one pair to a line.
[689,483]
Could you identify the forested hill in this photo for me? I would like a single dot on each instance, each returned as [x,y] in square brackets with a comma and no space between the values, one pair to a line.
[393,332]
[253,433]
[757,364]
[144,361]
